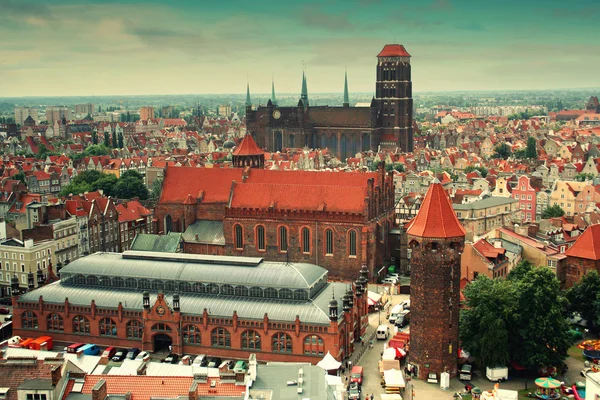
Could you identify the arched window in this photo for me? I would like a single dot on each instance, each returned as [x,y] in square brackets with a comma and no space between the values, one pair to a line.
[300,295]
[270,293]
[366,142]
[285,294]
[170,286]
[278,141]
[212,288]
[185,287]
[108,327]
[131,283]
[241,291]
[168,224]
[251,340]
[323,141]
[283,239]
[352,243]
[256,292]
[78,280]
[227,290]
[192,335]
[55,322]
[158,285]
[220,337]
[134,329]
[313,344]
[81,325]
[238,237]
[281,343]
[329,242]
[333,144]
[29,320]
[145,284]
[343,146]
[200,288]
[118,282]
[92,280]
[260,238]
[305,240]
[353,146]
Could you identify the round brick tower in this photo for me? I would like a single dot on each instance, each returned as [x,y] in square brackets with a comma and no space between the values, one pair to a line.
[436,239]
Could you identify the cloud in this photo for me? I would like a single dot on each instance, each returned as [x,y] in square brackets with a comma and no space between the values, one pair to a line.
[472,26]
[441,5]
[590,12]
[17,10]
[313,16]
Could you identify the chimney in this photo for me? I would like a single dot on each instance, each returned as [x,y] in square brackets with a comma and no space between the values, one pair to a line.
[56,374]
[99,390]
[193,392]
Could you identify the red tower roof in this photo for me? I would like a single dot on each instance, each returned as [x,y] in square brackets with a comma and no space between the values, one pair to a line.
[587,245]
[436,218]
[393,50]
[248,147]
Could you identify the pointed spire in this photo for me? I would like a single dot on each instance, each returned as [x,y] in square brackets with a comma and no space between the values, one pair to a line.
[304,94]
[273,98]
[346,97]
[248,100]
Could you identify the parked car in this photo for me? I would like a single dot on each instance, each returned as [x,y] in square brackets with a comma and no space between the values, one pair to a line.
[465,372]
[356,374]
[402,319]
[201,360]
[354,391]
[119,355]
[214,362]
[6,301]
[8,317]
[388,281]
[132,353]
[171,359]
[109,352]
[141,355]
[4,310]
[74,347]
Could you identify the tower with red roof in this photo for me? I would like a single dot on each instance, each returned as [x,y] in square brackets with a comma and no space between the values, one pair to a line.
[436,239]
[248,154]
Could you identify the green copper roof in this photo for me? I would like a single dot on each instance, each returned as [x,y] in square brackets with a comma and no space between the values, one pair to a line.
[248,101]
[273,98]
[346,97]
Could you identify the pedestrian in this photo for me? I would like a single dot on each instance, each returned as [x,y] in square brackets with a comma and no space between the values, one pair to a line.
[372,396]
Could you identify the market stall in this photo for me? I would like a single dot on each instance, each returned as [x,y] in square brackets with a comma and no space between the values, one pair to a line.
[329,364]
[394,381]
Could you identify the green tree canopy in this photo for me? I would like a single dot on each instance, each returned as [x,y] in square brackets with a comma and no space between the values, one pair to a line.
[88,177]
[553,212]
[396,166]
[503,151]
[75,188]
[133,174]
[583,176]
[584,298]
[106,140]
[531,150]
[482,170]
[130,187]
[156,188]
[120,139]
[20,176]
[106,183]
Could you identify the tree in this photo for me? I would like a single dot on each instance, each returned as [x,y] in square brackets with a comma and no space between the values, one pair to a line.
[20,176]
[42,152]
[584,298]
[96,150]
[114,140]
[94,137]
[482,170]
[106,183]
[130,187]
[132,173]
[106,141]
[88,177]
[540,334]
[502,151]
[531,151]
[521,270]
[75,188]
[520,154]
[120,139]
[485,319]
[156,188]
[394,167]
[553,212]
[584,176]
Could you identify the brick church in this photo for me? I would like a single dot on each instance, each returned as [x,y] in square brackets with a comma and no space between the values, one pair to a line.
[337,220]
[386,124]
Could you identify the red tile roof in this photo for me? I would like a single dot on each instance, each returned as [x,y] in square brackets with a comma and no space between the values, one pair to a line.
[487,250]
[393,50]
[15,373]
[247,147]
[587,245]
[141,387]
[436,218]
[132,211]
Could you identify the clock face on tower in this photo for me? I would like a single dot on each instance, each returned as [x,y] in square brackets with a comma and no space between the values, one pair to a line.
[160,310]
[276,114]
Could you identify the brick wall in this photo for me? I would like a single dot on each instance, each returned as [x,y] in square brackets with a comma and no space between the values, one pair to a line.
[576,267]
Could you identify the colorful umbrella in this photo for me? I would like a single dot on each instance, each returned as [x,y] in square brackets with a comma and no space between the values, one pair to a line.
[547,382]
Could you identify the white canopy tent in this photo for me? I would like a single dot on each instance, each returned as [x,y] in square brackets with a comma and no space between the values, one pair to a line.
[328,363]
[393,378]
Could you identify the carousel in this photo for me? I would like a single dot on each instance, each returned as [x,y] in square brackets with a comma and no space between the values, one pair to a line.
[547,388]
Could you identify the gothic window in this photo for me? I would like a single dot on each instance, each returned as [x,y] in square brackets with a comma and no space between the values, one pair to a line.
[55,322]
[278,141]
[313,344]
[333,143]
[352,243]
[256,292]
[29,320]
[305,240]
[220,337]
[353,148]
[323,141]
[283,239]
[81,325]
[292,141]
[239,237]
[281,343]
[168,224]
[366,142]
[108,327]
[260,238]
[192,335]
[134,329]
[227,290]
[251,340]
[329,241]
[343,146]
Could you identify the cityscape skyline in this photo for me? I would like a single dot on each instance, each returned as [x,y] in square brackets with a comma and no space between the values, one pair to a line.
[86,48]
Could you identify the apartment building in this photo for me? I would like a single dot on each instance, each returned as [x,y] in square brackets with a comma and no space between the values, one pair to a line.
[146,113]
[19,258]
[21,114]
[57,113]
[482,216]
[84,109]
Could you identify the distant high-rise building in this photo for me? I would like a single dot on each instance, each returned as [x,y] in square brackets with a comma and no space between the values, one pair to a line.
[224,110]
[84,109]
[166,111]
[57,114]
[21,114]
[146,113]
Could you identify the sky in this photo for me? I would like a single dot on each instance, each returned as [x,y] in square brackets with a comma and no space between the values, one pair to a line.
[81,47]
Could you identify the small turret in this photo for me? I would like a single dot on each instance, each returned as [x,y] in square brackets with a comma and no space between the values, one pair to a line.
[30,280]
[176,306]
[146,299]
[333,309]
[14,286]
[40,277]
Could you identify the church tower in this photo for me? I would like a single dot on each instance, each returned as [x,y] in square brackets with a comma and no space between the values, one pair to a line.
[393,93]
[436,239]
[346,96]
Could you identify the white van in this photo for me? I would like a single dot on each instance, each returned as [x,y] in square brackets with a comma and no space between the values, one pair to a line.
[383,332]
[397,309]
[405,305]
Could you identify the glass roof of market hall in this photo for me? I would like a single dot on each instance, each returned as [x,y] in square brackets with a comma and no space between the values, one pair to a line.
[283,289]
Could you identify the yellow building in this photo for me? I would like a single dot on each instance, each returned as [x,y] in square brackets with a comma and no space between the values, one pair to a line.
[573,197]
[20,258]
